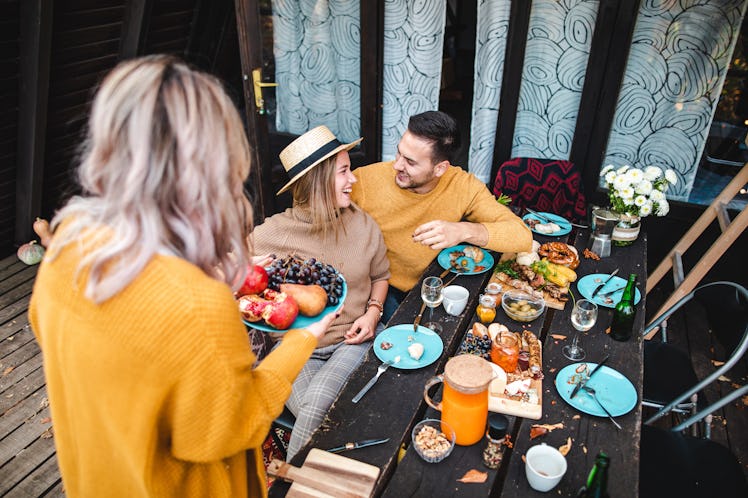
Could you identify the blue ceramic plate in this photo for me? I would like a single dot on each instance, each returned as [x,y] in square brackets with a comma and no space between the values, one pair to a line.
[587,285]
[398,336]
[562,222]
[613,390]
[470,266]
[302,321]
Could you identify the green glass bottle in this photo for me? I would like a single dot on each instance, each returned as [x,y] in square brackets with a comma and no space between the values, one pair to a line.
[622,326]
[597,481]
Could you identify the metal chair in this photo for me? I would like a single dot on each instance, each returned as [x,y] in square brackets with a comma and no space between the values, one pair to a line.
[670,382]
[675,464]
[549,185]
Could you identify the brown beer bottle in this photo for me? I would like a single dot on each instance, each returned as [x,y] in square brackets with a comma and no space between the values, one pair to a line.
[623,317]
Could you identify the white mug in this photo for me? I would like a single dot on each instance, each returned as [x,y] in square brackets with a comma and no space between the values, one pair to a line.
[455,299]
[544,467]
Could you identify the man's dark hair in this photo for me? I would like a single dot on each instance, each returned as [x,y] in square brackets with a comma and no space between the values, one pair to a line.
[441,130]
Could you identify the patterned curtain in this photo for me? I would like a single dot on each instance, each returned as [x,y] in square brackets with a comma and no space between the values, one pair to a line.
[490,48]
[679,57]
[558,46]
[413,41]
[317,47]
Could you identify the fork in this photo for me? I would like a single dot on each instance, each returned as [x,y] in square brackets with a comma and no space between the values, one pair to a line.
[380,370]
[594,395]
[548,220]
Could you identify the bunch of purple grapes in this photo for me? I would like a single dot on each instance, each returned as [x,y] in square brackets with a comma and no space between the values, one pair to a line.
[480,346]
[295,270]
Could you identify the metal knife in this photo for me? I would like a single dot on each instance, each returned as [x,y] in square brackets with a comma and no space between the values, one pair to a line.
[418,318]
[359,444]
[547,220]
[611,292]
[581,383]
[600,287]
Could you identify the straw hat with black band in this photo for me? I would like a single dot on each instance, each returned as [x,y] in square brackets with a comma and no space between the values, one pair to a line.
[308,151]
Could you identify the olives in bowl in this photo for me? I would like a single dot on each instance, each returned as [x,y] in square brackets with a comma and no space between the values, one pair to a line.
[521,306]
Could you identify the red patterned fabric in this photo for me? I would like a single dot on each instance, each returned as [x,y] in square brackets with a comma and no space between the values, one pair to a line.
[546,185]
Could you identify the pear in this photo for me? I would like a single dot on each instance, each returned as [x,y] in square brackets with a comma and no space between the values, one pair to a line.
[311,299]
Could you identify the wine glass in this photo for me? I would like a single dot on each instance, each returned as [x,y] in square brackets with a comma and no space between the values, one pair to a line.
[583,317]
[431,293]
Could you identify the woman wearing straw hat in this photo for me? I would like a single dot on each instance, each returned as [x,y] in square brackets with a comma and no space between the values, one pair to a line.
[323,223]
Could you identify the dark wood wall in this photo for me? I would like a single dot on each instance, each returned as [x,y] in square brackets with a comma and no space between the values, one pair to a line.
[53,54]
[9,73]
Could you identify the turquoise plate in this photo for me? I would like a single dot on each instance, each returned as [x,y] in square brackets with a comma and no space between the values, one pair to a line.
[398,336]
[562,222]
[613,389]
[587,285]
[470,266]
[301,321]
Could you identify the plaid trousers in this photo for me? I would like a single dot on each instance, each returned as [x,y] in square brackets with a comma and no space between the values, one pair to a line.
[317,386]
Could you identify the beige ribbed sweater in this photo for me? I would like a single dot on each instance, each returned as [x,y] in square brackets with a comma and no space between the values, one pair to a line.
[153,393]
[358,253]
[459,196]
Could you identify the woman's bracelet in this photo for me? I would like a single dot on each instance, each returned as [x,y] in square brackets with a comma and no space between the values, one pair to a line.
[377,304]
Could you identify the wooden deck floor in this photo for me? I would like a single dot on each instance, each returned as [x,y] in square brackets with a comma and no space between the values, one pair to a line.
[28,467]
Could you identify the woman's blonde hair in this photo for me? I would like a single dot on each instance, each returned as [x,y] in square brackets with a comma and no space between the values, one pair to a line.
[163,170]
[316,191]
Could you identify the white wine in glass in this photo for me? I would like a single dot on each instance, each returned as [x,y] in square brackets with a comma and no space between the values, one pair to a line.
[583,318]
[431,293]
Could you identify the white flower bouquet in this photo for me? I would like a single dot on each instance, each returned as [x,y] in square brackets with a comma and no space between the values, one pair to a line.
[636,192]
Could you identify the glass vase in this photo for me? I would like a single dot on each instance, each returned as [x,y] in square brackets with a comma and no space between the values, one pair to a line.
[626,231]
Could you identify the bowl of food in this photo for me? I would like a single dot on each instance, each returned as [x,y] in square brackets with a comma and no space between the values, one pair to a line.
[521,306]
[433,439]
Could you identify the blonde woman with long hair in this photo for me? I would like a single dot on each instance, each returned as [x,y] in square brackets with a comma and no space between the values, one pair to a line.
[147,363]
[324,224]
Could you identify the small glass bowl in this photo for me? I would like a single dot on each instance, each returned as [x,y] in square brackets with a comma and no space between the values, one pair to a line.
[521,306]
[441,450]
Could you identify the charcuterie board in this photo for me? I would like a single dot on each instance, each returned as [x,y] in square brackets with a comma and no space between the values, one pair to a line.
[527,405]
[505,281]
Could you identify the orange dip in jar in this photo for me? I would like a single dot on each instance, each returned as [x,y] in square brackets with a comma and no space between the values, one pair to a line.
[505,351]
[486,309]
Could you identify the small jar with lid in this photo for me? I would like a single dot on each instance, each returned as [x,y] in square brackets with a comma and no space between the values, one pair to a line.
[486,309]
[495,435]
[493,289]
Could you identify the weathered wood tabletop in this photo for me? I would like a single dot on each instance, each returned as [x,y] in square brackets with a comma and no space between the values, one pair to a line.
[395,404]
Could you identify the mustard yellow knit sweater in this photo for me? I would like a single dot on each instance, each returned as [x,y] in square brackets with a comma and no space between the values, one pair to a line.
[459,196]
[153,393]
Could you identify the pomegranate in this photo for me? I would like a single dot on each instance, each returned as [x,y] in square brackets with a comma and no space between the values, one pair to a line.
[251,307]
[255,282]
[281,312]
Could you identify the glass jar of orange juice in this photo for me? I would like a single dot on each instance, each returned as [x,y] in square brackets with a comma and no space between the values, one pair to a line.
[464,404]
[505,351]
[486,309]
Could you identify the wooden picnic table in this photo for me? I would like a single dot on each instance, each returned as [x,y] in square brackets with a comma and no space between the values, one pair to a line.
[395,404]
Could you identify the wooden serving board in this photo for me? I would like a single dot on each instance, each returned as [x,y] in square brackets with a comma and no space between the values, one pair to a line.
[499,402]
[551,302]
[325,474]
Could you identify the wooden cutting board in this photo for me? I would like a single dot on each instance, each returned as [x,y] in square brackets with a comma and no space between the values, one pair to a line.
[325,474]
[500,402]
[502,278]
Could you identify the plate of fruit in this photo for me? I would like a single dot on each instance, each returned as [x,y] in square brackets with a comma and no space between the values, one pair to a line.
[291,293]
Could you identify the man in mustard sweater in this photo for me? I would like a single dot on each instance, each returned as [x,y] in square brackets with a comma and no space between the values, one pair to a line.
[424,204]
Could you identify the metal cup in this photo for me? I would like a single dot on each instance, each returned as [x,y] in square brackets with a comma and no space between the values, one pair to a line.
[603,223]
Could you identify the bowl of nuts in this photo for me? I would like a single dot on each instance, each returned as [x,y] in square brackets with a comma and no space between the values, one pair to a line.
[522,306]
[433,439]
